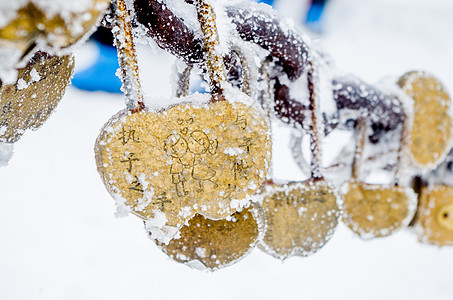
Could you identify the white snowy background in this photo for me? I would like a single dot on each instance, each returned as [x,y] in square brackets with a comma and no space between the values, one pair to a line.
[59,238]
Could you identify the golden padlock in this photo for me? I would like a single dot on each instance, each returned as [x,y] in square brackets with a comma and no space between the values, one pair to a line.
[434,219]
[29,102]
[431,133]
[210,245]
[206,155]
[372,210]
[191,158]
[301,217]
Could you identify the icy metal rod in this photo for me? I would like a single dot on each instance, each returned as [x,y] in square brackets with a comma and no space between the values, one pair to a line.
[398,171]
[266,104]
[246,72]
[360,131]
[212,50]
[127,58]
[316,129]
[183,87]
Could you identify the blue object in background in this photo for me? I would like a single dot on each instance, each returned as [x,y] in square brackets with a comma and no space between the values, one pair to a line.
[313,19]
[315,12]
[100,76]
[270,2]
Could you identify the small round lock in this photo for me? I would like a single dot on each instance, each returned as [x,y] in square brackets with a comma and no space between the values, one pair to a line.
[434,215]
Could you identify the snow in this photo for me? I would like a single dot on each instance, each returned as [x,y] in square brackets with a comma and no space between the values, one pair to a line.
[8,57]
[234,151]
[21,84]
[158,230]
[6,151]
[61,240]
[63,7]
[8,10]
[35,75]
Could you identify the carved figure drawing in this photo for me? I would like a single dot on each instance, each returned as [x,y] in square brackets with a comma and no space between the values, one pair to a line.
[176,147]
[200,145]
[188,156]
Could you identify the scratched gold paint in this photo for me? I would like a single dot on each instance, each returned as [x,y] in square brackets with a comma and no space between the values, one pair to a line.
[216,244]
[185,160]
[29,107]
[431,131]
[377,211]
[434,219]
[301,217]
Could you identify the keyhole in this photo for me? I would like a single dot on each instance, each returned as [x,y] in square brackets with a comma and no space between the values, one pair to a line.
[445,216]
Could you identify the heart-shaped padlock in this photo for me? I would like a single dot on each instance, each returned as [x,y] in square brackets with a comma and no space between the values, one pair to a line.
[213,244]
[206,155]
[29,102]
[372,210]
[207,244]
[301,216]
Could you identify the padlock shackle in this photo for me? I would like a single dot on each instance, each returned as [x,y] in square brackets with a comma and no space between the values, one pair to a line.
[212,51]
[317,128]
[361,135]
[247,87]
[127,58]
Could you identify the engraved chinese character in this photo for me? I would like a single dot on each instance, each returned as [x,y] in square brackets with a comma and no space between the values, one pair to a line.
[6,108]
[213,253]
[247,143]
[241,121]
[4,122]
[136,185]
[162,200]
[230,190]
[127,135]
[130,158]
[320,197]
[240,169]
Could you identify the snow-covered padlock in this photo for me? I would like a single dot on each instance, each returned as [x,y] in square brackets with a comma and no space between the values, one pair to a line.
[434,219]
[301,216]
[54,24]
[207,244]
[374,210]
[431,134]
[205,154]
[29,102]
